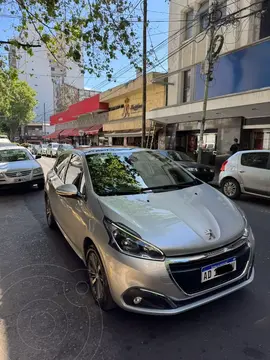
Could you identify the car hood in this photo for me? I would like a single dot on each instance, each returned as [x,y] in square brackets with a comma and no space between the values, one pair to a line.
[19,165]
[177,221]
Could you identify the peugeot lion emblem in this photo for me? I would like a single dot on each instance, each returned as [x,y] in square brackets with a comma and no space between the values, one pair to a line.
[19,174]
[210,234]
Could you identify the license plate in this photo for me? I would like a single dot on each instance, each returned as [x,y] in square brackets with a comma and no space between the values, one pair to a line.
[218,269]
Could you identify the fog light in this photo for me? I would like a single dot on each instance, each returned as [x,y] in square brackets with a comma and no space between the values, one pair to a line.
[137,300]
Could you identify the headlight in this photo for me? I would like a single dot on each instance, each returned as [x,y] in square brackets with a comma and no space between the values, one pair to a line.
[247,227]
[192,169]
[38,171]
[129,243]
[212,170]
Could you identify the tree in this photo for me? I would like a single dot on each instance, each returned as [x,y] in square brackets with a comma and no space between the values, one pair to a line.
[91,30]
[17,102]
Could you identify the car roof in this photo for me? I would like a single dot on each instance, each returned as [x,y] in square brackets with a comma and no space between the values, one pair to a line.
[251,151]
[11,147]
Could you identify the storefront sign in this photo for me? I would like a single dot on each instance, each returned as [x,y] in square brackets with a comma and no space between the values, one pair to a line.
[136,107]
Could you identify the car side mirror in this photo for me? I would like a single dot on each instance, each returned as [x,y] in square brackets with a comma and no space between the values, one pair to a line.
[67,190]
[37,156]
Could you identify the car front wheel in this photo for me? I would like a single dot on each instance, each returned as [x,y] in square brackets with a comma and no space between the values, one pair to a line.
[231,188]
[98,280]
[49,215]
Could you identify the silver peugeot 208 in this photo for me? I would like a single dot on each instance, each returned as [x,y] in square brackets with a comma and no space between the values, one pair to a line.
[155,239]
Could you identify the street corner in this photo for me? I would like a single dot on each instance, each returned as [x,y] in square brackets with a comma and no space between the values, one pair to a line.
[47,309]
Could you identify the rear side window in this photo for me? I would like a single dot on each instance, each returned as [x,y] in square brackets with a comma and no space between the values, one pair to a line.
[61,165]
[257,160]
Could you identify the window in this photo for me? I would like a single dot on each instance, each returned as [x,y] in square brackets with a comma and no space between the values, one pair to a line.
[74,171]
[256,160]
[189,24]
[186,86]
[265,20]
[204,16]
[61,165]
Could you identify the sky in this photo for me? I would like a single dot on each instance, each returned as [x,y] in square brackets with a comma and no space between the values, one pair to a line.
[157,32]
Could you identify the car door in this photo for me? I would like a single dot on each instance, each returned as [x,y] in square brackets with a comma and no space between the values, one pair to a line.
[75,223]
[55,178]
[254,172]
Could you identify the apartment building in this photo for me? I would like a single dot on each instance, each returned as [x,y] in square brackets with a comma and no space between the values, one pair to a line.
[239,94]
[58,84]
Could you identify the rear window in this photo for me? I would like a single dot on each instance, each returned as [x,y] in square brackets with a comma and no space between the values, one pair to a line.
[256,160]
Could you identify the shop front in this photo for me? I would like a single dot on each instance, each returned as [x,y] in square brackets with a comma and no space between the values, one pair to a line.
[256,134]
[124,126]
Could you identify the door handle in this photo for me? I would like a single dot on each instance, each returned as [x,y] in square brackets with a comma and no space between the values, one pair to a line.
[242,171]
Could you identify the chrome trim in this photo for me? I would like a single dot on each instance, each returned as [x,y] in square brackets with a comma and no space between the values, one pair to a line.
[194,295]
[186,259]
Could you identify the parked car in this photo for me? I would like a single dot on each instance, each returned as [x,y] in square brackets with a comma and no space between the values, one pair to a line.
[246,172]
[52,149]
[43,149]
[32,148]
[155,239]
[203,172]
[63,147]
[4,140]
[19,167]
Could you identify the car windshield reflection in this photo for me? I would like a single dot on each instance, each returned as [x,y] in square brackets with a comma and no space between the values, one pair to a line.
[127,172]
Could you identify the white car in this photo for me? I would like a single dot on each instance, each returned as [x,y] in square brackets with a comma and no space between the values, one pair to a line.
[4,140]
[246,172]
[19,167]
[52,149]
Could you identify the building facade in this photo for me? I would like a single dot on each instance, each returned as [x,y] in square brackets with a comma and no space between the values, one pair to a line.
[238,103]
[81,124]
[124,126]
[54,82]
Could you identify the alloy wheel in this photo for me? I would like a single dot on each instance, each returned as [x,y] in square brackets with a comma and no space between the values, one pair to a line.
[96,276]
[230,188]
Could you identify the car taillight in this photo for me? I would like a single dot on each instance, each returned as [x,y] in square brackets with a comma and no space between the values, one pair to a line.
[224,165]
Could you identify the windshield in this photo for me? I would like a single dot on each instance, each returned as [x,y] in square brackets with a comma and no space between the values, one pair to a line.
[12,155]
[128,172]
[44,146]
[55,146]
[179,156]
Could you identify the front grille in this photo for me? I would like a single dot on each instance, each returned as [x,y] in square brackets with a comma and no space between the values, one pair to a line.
[18,173]
[188,275]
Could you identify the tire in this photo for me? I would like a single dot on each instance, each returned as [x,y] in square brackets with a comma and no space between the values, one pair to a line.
[49,215]
[231,188]
[41,186]
[100,288]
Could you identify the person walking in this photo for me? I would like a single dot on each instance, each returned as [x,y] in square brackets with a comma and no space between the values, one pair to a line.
[235,146]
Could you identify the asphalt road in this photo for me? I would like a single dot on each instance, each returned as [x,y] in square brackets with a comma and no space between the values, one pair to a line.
[46,311]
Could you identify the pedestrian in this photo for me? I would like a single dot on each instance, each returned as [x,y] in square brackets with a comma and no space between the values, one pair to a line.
[235,146]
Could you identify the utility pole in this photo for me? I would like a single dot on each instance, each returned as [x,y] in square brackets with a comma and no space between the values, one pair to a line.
[209,62]
[144,72]
[44,119]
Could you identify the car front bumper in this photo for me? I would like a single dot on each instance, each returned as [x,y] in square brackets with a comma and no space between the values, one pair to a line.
[34,181]
[160,294]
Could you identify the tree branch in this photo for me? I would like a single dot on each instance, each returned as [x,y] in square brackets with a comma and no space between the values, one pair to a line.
[26,45]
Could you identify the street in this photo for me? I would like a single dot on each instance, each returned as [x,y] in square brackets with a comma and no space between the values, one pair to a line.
[48,313]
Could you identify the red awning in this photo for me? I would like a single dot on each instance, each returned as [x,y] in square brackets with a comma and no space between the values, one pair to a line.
[67,132]
[54,135]
[93,130]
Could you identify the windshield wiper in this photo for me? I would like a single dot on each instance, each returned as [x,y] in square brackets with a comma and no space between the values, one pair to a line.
[172,186]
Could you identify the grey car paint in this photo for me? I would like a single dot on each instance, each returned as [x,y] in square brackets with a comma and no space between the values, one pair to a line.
[174,226]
